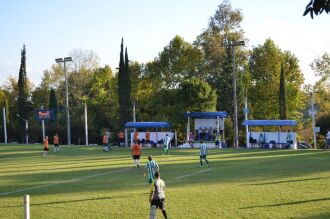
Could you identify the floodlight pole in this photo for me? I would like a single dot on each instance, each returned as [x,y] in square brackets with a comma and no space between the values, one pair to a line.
[43,125]
[246,112]
[5,123]
[188,126]
[313,113]
[233,45]
[59,60]
[86,125]
[134,113]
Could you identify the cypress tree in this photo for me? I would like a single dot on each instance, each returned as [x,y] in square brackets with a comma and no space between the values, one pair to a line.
[124,88]
[128,87]
[23,108]
[282,95]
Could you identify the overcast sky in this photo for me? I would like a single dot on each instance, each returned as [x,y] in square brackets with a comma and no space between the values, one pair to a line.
[51,29]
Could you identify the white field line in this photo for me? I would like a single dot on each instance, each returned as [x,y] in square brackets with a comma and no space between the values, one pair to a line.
[194,173]
[66,181]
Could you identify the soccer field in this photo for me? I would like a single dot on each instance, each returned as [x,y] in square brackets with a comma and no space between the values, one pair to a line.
[84,182]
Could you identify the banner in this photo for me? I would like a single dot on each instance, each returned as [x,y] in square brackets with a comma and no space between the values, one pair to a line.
[45,114]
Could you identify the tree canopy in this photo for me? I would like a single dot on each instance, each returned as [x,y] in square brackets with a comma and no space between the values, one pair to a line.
[317,7]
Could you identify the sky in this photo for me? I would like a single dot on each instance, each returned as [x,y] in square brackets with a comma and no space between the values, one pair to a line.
[51,29]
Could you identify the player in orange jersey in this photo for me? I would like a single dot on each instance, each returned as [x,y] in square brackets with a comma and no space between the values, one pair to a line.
[136,153]
[56,143]
[46,146]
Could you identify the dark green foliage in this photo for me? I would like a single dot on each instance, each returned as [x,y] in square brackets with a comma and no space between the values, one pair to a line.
[24,107]
[323,121]
[52,99]
[3,99]
[317,7]
[282,95]
[124,88]
[195,95]
[224,84]
[22,87]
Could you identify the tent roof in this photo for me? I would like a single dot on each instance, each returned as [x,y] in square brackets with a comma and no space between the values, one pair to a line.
[206,114]
[270,122]
[147,125]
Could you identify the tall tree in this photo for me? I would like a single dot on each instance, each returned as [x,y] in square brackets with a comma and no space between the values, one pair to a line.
[23,105]
[178,61]
[265,68]
[224,27]
[282,95]
[124,88]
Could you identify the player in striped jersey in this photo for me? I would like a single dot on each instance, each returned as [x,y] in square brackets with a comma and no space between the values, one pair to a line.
[167,142]
[151,167]
[157,197]
[203,154]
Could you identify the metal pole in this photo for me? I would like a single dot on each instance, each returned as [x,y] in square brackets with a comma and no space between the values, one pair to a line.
[134,116]
[188,128]
[5,123]
[246,126]
[86,125]
[26,207]
[313,121]
[43,126]
[235,101]
[67,106]
[176,139]
[223,133]
[126,138]
[233,45]
[26,131]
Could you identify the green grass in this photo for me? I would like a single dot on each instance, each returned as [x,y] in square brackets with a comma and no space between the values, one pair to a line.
[84,182]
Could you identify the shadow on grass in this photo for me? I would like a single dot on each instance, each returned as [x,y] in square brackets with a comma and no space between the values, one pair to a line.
[67,201]
[288,203]
[284,181]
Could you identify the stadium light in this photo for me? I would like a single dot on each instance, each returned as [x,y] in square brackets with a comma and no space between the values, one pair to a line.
[233,45]
[60,60]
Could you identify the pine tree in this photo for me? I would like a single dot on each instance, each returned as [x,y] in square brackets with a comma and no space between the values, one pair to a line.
[282,95]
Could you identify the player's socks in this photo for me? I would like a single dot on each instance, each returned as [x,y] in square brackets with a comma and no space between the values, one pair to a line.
[153,213]
[164,213]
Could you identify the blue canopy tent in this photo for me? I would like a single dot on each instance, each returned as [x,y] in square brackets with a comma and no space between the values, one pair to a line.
[268,123]
[205,115]
[145,125]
